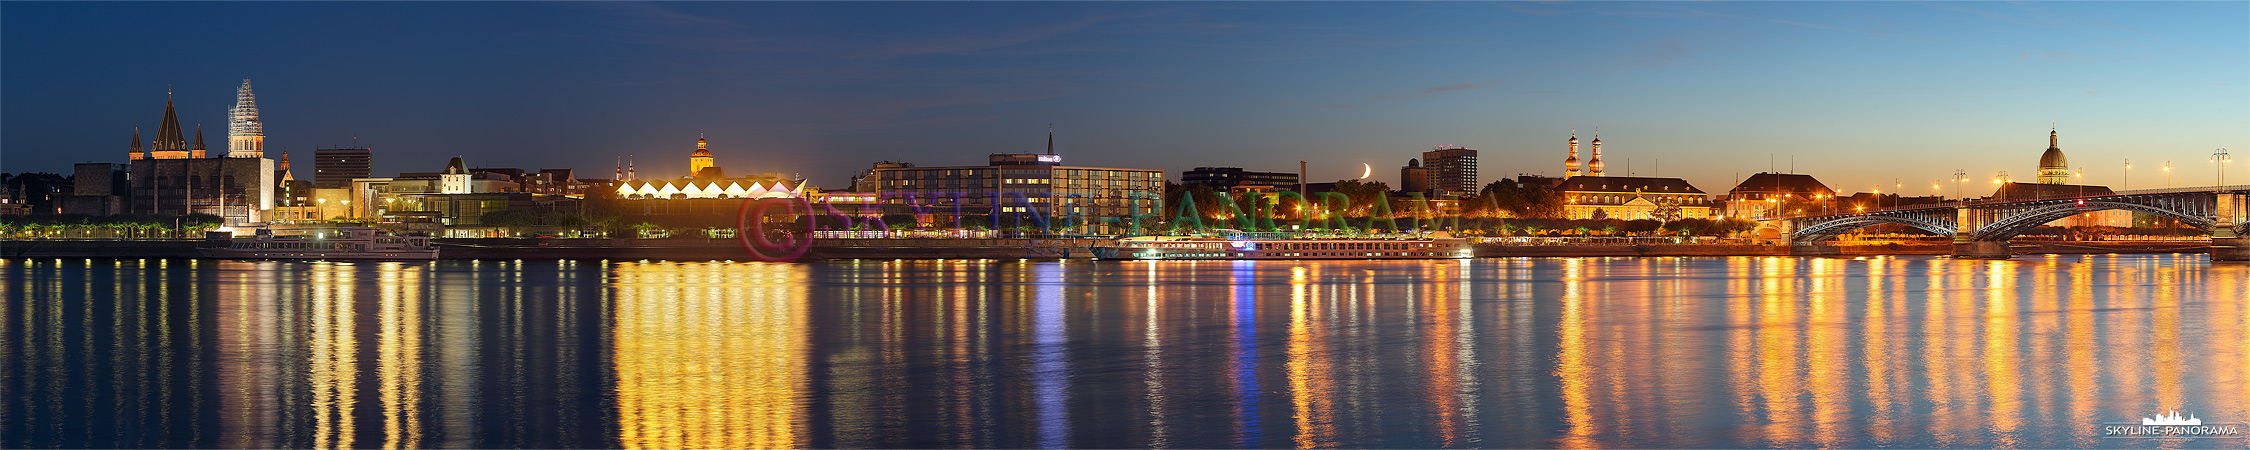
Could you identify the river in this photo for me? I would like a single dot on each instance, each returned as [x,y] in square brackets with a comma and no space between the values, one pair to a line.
[1915,351]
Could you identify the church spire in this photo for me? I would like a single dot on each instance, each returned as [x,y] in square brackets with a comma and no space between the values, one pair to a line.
[168,131]
[197,151]
[134,152]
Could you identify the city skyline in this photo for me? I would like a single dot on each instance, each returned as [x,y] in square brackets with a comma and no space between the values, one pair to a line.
[1856,94]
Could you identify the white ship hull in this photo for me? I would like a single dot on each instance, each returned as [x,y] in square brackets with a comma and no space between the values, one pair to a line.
[350,243]
[1214,248]
[229,253]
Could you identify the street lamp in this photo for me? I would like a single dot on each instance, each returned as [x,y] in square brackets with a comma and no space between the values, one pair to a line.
[2221,157]
[1959,176]
[2002,180]
[2167,174]
[323,209]
[2128,174]
[1898,190]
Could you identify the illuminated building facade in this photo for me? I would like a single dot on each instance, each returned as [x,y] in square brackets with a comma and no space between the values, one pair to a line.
[455,178]
[1633,198]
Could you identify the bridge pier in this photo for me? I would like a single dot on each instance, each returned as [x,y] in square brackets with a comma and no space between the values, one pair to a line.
[1965,248]
[2226,245]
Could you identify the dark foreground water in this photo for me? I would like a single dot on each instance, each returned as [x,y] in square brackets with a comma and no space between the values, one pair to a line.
[1623,352]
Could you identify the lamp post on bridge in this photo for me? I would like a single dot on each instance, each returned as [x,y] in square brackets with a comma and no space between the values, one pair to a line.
[2002,181]
[2128,174]
[2221,157]
[2081,182]
[1959,176]
[2167,174]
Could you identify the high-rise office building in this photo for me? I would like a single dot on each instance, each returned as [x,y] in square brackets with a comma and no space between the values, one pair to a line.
[336,167]
[1452,171]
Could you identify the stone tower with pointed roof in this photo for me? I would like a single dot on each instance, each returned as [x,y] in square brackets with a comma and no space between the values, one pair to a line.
[198,151]
[170,144]
[134,152]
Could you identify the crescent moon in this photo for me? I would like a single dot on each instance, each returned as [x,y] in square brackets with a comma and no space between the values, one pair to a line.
[1366,170]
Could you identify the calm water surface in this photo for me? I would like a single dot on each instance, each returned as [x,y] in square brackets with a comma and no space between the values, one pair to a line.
[1573,352]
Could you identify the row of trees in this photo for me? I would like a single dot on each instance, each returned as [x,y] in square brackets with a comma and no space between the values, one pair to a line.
[123,226]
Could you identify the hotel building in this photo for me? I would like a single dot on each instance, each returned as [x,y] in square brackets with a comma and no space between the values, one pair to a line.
[1010,183]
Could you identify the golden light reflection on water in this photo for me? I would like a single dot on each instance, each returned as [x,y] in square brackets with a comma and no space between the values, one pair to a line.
[709,355]
[1310,366]
[1582,352]
[1571,365]
[334,369]
[399,355]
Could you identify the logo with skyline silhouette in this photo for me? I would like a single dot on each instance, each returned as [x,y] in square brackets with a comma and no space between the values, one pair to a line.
[2171,426]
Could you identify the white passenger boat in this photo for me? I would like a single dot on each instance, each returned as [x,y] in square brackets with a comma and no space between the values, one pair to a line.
[1254,246]
[328,243]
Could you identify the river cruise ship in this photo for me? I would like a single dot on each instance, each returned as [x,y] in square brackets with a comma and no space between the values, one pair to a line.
[328,243]
[1254,246]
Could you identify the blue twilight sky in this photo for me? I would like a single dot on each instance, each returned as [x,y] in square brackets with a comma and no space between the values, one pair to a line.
[1859,93]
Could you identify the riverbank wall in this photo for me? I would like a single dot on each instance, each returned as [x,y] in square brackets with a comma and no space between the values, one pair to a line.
[97,248]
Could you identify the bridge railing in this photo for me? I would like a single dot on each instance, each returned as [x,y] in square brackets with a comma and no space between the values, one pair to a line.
[1998,201]
[2237,187]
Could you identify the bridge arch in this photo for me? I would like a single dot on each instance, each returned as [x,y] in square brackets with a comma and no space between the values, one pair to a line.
[1833,228]
[2033,218]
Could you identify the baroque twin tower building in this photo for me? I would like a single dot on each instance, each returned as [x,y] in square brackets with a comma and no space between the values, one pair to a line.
[1593,166]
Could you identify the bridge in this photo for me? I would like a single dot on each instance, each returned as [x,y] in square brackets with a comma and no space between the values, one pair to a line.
[1982,228]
